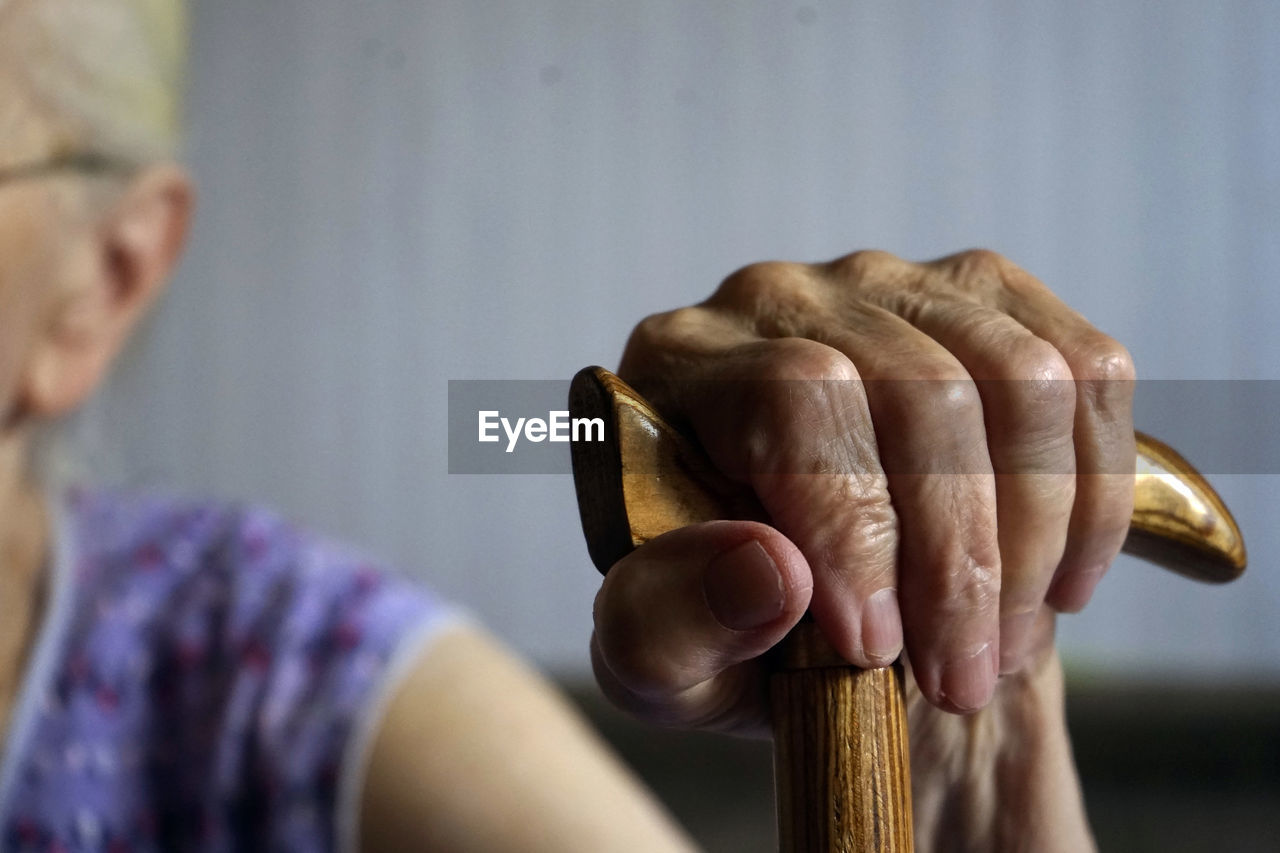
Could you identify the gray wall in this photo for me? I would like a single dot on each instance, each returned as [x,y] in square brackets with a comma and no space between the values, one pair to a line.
[395,194]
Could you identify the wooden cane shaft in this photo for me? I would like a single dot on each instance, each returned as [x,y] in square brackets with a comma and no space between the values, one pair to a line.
[842,772]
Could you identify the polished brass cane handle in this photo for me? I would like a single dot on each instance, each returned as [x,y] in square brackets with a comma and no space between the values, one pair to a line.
[841,759]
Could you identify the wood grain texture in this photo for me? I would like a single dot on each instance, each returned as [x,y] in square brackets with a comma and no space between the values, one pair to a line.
[840,756]
[841,753]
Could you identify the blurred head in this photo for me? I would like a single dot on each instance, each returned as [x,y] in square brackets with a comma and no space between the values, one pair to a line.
[93,211]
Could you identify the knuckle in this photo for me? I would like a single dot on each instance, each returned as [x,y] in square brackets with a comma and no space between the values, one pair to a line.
[803,359]
[865,264]
[770,412]
[985,275]
[970,587]
[1038,360]
[609,682]
[1104,373]
[1044,395]
[983,261]
[639,671]
[760,287]
[658,329]
[783,433]
[935,366]
[803,412]
[937,399]
[868,527]
[860,512]
[975,266]
[634,663]
[1101,358]
[948,395]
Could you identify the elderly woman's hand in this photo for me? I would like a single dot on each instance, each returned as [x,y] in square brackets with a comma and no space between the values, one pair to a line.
[945,451]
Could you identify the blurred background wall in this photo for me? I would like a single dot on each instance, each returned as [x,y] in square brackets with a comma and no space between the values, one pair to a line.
[396,194]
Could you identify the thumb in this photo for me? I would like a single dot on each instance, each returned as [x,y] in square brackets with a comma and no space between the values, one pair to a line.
[677,618]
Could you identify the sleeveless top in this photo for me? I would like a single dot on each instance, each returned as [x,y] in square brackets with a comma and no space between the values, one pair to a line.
[205,677]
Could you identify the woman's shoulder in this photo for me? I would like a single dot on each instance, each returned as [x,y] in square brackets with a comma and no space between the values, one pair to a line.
[177,562]
[120,531]
[153,530]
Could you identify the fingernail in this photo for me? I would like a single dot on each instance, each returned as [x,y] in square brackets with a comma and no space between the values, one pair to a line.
[1015,633]
[882,627]
[967,683]
[744,587]
[1072,590]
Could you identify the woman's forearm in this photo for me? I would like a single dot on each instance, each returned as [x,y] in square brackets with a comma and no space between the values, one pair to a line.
[476,753]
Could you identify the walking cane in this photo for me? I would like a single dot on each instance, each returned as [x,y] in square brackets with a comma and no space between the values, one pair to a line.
[841,765]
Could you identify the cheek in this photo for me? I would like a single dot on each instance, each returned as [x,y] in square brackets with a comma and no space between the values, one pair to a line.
[15,336]
[25,267]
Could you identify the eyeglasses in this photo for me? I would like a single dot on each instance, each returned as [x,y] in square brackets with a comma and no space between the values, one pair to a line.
[85,164]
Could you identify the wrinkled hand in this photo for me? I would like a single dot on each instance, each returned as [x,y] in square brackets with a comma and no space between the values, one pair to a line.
[943,450]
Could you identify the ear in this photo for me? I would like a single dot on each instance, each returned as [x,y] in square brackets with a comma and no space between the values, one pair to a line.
[113,273]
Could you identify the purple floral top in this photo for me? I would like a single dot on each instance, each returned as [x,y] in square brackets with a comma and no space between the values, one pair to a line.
[205,678]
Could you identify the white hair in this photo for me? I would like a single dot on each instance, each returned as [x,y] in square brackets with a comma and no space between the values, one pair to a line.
[104,76]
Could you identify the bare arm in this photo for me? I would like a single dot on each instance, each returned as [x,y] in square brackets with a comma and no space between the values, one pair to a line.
[476,753]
